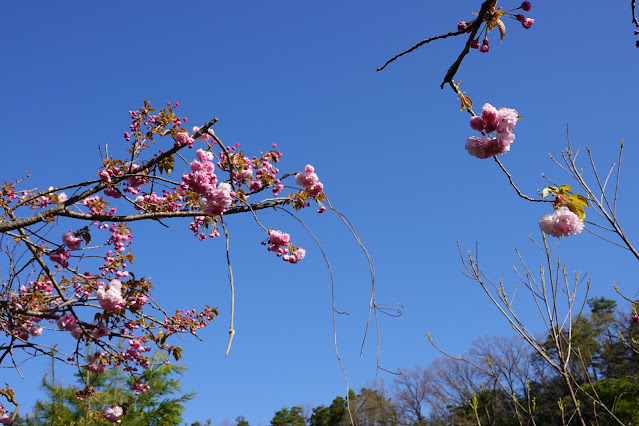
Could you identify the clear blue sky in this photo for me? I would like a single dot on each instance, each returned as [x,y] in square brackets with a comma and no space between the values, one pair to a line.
[388,147]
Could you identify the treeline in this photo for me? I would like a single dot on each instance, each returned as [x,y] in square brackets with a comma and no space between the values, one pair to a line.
[501,382]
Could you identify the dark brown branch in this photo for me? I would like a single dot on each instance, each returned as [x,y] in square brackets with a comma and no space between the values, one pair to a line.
[634,13]
[60,208]
[421,43]
[455,66]
[512,183]
[164,215]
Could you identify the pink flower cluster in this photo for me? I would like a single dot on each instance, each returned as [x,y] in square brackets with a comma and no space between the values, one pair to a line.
[120,237]
[97,206]
[295,256]
[113,413]
[280,244]
[202,180]
[26,329]
[502,122]
[60,256]
[205,137]
[309,180]
[190,320]
[138,301]
[561,223]
[98,368]
[138,387]
[110,299]
[278,241]
[72,242]
[183,138]
[100,331]
[134,354]
[154,203]
[67,322]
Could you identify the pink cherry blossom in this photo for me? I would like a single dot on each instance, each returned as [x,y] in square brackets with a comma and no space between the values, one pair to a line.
[111,298]
[203,155]
[67,322]
[278,238]
[307,177]
[97,369]
[138,301]
[60,256]
[113,413]
[489,114]
[309,180]
[183,138]
[100,331]
[315,190]
[562,222]
[299,254]
[477,123]
[217,200]
[506,120]
[478,147]
[205,137]
[112,192]
[72,242]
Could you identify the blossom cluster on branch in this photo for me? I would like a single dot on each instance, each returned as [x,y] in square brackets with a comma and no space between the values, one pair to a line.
[82,283]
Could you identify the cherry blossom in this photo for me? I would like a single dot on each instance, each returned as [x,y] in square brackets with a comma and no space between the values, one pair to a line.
[113,413]
[562,222]
[111,298]
[71,241]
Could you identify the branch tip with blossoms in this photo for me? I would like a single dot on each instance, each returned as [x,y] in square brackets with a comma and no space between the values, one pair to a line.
[90,292]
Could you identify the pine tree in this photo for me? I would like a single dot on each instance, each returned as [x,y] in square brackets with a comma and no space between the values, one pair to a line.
[74,407]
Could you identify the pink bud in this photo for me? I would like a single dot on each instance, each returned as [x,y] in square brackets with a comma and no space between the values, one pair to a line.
[461,25]
[526,6]
[474,44]
[484,46]
[527,23]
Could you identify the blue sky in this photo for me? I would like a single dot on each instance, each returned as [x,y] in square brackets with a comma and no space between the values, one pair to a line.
[388,147]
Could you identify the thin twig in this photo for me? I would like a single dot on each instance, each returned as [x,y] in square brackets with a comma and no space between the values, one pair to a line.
[421,43]
[512,183]
[614,204]
[228,262]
